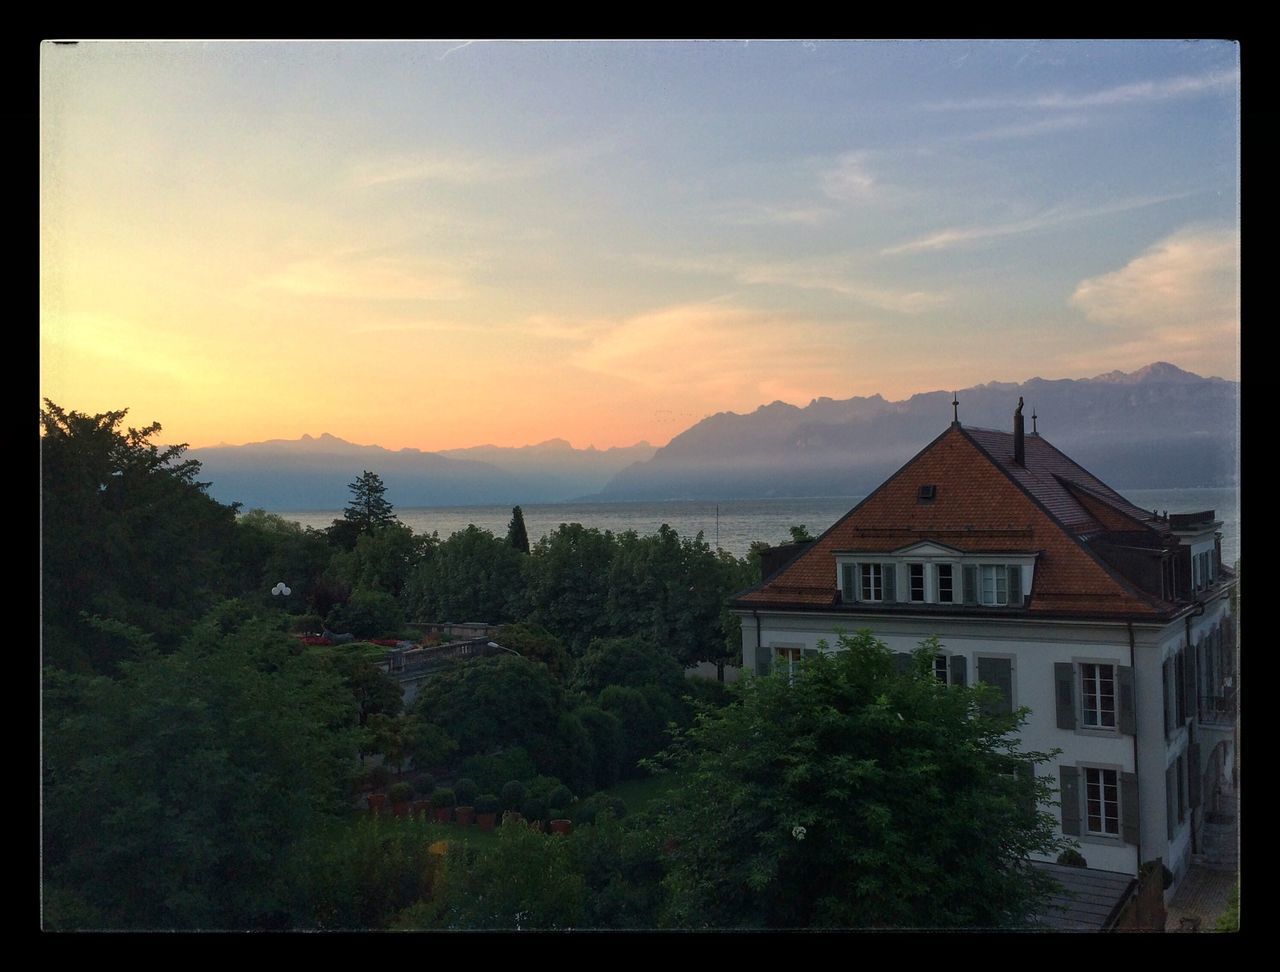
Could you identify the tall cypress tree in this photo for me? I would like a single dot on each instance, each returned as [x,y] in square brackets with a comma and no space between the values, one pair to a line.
[517,535]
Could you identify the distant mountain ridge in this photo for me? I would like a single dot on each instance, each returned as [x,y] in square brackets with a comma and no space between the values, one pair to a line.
[1158,426]
[312,472]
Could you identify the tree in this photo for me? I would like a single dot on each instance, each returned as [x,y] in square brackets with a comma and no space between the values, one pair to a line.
[173,791]
[126,532]
[517,535]
[472,576]
[800,534]
[849,795]
[368,507]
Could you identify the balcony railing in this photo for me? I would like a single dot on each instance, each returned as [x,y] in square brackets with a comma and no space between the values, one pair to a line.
[1218,710]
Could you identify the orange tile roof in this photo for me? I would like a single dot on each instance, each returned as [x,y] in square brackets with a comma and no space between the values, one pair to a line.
[985,502]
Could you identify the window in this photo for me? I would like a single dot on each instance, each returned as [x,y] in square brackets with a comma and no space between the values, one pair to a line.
[872,582]
[940,668]
[1098,692]
[787,660]
[916,572]
[1102,801]
[995,585]
[945,589]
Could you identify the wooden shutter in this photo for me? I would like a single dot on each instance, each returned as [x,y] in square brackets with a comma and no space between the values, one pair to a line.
[809,652]
[1130,829]
[1069,786]
[1189,675]
[889,578]
[1027,777]
[1128,721]
[970,574]
[1064,678]
[1168,698]
[999,673]
[1015,587]
[1170,798]
[902,661]
[959,670]
[763,660]
[1193,775]
[849,575]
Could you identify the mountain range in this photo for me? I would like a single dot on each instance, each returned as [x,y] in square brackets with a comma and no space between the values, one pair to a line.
[1156,427]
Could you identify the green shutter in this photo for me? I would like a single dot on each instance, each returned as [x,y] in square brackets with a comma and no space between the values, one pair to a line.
[850,583]
[1124,700]
[1129,827]
[1064,678]
[970,574]
[1170,799]
[763,660]
[1015,587]
[1193,775]
[889,578]
[809,652]
[1069,786]
[998,672]
[959,670]
[902,662]
[1027,775]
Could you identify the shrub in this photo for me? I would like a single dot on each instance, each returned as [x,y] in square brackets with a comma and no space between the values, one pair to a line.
[560,796]
[466,791]
[401,792]
[425,782]
[442,797]
[378,777]
[1072,858]
[534,808]
[492,771]
[488,803]
[306,624]
[556,813]
[617,806]
[513,794]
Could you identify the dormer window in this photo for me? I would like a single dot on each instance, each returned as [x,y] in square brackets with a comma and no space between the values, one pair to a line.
[945,589]
[927,493]
[872,582]
[928,573]
[915,576]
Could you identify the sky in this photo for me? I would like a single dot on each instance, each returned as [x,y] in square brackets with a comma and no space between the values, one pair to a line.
[445,244]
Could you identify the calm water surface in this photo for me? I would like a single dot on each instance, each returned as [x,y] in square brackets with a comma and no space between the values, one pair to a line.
[734,524]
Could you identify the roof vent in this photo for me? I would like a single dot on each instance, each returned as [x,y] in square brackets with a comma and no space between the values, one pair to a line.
[927,494]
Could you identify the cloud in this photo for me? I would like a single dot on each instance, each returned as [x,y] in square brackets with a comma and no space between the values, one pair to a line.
[756,214]
[849,180]
[835,274]
[1125,94]
[957,235]
[1043,126]
[1184,290]
[713,352]
[468,168]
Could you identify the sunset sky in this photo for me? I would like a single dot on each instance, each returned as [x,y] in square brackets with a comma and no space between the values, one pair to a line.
[440,245]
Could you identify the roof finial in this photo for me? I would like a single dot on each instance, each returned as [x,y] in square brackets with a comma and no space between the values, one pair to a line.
[1033,421]
[955,409]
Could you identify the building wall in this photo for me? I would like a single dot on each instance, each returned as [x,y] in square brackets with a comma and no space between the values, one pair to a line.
[1035,647]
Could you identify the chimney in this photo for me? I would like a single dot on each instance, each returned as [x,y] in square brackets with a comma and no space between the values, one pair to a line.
[1019,446]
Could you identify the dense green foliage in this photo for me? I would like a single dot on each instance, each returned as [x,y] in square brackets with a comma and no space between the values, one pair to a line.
[472,576]
[172,791]
[853,797]
[127,533]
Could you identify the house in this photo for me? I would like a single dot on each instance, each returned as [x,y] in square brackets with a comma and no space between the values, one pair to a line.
[1111,623]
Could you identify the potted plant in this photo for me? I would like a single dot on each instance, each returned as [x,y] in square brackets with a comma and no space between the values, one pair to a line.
[561,825]
[442,800]
[376,800]
[487,805]
[400,795]
[513,795]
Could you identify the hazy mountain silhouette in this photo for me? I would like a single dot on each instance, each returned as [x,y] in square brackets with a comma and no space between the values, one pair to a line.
[1159,426]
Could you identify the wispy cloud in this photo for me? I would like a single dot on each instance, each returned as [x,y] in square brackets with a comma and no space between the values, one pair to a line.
[1057,215]
[1184,289]
[1137,92]
[757,214]
[838,274]
[463,167]
[1043,126]
[849,179]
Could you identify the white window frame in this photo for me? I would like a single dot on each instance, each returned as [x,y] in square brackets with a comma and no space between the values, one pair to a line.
[999,574]
[870,581]
[912,566]
[952,574]
[1102,784]
[1096,676]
